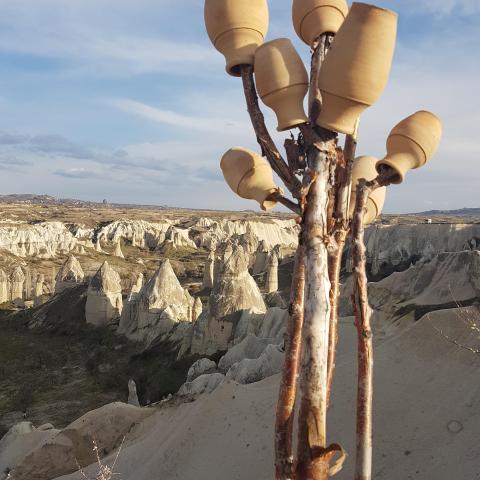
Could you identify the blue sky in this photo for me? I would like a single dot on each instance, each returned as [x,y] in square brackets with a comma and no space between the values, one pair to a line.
[127,100]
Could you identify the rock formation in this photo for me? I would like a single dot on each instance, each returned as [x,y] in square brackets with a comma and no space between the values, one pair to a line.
[137,285]
[17,279]
[61,452]
[261,257]
[98,246]
[234,290]
[4,287]
[209,270]
[38,290]
[161,303]
[132,393]
[118,251]
[271,281]
[201,367]
[69,275]
[202,384]
[104,297]
[197,309]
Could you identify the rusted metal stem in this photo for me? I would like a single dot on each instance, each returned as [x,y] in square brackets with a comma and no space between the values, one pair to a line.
[284,460]
[264,138]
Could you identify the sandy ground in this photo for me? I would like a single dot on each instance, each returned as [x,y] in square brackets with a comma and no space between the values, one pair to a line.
[427,416]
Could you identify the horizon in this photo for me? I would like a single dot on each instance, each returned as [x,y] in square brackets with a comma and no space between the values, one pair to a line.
[135,106]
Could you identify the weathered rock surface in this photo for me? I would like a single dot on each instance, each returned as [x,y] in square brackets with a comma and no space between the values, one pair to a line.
[395,247]
[62,452]
[104,297]
[69,275]
[118,251]
[234,290]
[43,240]
[160,304]
[4,296]
[201,367]
[250,370]
[132,393]
[17,279]
[250,347]
[202,384]
[271,281]
[209,270]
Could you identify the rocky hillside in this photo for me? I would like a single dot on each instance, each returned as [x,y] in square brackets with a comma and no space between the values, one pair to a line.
[160,311]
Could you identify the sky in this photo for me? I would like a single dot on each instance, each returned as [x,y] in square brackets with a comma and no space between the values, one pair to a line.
[127,100]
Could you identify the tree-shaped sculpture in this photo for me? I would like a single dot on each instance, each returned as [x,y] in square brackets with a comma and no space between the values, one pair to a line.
[333,193]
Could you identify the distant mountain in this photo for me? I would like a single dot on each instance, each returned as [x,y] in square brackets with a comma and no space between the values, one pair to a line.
[463,212]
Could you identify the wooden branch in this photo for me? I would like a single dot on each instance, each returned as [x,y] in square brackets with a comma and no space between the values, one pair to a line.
[263,136]
[340,232]
[284,460]
[334,270]
[362,312]
[278,197]
[314,456]
[320,49]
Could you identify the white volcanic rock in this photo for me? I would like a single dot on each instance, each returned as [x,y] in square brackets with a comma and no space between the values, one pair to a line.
[98,246]
[208,272]
[177,238]
[202,384]
[69,275]
[250,347]
[104,297]
[38,289]
[251,370]
[136,287]
[161,304]
[201,367]
[390,246]
[197,308]
[42,240]
[132,393]
[72,447]
[17,279]
[261,257]
[4,287]
[271,282]
[234,290]
[272,231]
[146,233]
[118,251]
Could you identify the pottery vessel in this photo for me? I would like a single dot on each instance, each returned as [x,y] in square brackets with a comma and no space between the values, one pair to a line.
[282,81]
[412,143]
[364,167]
[236,28]
[249,175]
[357,66]
[311,18]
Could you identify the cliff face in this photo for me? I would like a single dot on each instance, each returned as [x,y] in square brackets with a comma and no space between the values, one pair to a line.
[395,247]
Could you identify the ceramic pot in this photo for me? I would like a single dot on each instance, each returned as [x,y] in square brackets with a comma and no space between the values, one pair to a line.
[282,81]
[249,175]
[412,143]
[356,69]
[236,28]
[311,18]
[364,167]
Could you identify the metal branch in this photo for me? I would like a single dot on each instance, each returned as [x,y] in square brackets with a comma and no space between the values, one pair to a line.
[284,461]
[263,136]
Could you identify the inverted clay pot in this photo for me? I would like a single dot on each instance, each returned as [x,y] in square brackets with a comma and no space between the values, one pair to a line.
[249,175]
[282,81]
[412,143]
[236,28]
[311,18]
[364,167]
[356,69]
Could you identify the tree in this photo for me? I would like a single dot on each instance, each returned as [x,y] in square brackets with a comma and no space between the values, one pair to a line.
[319,175]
